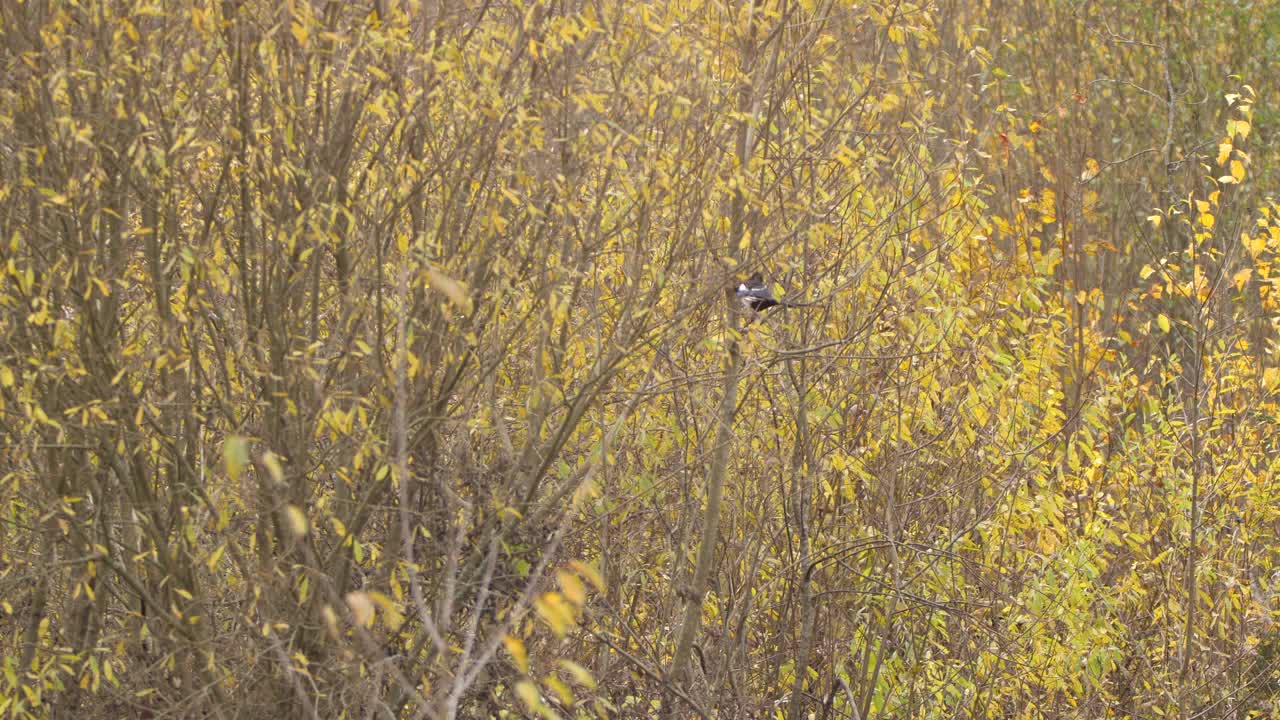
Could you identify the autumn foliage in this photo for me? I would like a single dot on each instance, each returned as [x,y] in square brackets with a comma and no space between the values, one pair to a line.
[380,359]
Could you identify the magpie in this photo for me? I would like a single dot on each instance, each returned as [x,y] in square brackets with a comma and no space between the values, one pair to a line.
[757,296]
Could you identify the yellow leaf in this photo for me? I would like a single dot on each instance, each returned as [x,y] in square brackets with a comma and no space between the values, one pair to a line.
[1224,152]
[1155,219]
[361,608]
[1270,378]
[552,608]
[581,675]
[330,620]
[591,575]
[454,290]
[1203,206]
[297,520]
[1207,220]
[528,692]
[1146,272]
[1163,322]
[515,648]
[572,587]
[1048,204]
[55,197]
[1091,170]
[587,488]
[1255,244]
[1237,170]
[274,469]
[391,615]
[300,33]
[1242,277]
[215,557]
[235,455]
[1081,296]
[6,376]
[561,690]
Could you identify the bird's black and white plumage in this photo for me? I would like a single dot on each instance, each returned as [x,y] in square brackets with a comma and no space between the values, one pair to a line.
[757,296]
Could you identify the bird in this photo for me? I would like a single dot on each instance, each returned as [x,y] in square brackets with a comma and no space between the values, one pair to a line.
[757,296]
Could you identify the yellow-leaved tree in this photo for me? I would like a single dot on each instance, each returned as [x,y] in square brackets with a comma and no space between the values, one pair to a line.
[386,359]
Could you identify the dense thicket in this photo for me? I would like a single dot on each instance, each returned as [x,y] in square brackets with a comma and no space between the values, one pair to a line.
[381,360]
